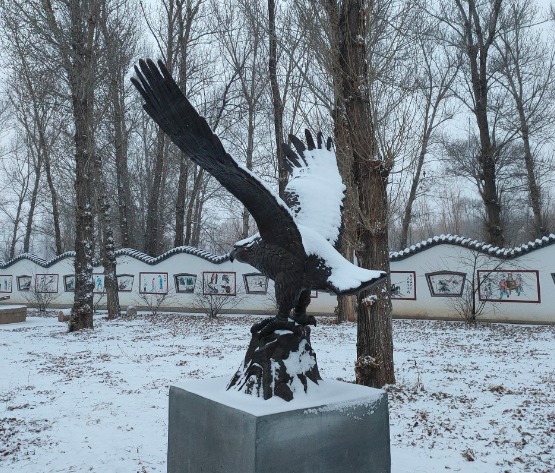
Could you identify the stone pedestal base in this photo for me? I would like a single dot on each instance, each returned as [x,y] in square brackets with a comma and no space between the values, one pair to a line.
[11,314]
[339,428]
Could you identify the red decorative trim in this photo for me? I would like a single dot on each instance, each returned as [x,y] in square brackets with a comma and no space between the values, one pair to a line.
[510,289]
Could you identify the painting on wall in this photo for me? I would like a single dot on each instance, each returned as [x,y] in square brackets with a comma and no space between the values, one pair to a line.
[218,283]
[255,283]
[153,283]
[125,282]
[509,286]
[98,280]
[5,283]
[46,283]
[185,282]
[403,285]
[24,283]
[69,283]
[446,283]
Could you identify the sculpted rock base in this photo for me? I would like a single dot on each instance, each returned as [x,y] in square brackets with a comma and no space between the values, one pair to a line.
[278,362]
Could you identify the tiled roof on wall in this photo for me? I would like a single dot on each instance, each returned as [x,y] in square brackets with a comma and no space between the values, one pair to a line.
[150,260]
[506,253]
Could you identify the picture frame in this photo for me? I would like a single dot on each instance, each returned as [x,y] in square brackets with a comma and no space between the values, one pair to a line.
[403,285]
[185,283]
[46,283]
[6,283]
[509,285]
[153,283]
[446,283]
[255,283]
[24,283]
[69,283]
[219,283]
[98,280]
[125,282]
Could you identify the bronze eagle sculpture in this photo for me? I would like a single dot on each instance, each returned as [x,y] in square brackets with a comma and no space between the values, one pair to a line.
[295,243]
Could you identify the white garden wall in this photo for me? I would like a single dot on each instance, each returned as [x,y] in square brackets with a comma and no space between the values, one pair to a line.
[517,285]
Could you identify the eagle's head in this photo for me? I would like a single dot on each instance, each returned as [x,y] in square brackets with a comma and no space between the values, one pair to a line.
[244,250]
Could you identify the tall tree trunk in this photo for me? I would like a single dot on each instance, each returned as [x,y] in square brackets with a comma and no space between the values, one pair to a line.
[16,221]
[368,181]
[276,98]
[407,215]
[32,205]
[190,220]
[82,311]
[533,188]
[152,234]
[180,200]
[122,170]
[53,195]
[476,47]
[80,68]
[108,258]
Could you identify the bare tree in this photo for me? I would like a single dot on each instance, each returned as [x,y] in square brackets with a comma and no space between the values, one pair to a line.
[473,26]
[368,172]
[119,29]
[527,67]
[433,85]
[242,44]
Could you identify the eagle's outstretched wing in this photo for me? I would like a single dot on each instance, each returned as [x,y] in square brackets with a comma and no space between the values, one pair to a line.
[171,110]
[315,191]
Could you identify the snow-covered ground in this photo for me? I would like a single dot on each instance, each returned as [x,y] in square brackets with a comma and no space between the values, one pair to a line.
[466,400]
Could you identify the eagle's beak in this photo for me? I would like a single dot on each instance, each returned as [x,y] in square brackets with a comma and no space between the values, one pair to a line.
[232,254]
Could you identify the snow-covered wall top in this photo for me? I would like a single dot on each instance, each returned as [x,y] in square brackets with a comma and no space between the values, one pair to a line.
[144,258]
[505,253]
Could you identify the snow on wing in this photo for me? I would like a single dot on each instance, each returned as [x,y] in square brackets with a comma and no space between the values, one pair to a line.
[315,191]
[343,277]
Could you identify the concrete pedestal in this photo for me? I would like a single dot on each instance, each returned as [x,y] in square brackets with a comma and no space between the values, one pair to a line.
[337,428]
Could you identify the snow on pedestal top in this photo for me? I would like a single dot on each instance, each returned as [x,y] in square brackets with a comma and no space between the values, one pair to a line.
[327,392]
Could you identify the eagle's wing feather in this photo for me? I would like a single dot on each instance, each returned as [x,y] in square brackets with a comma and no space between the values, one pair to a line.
[171,110]
[315,191]
[340,276]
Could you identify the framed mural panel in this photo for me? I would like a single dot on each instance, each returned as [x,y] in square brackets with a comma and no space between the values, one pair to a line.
[69,283]
[153,283]
[509,286]
[403,285]
[125,282]
[185,282]
[24,283]
[255,283]
[219,283]
[46,283]
[98,279]
[5,283]
[446,283]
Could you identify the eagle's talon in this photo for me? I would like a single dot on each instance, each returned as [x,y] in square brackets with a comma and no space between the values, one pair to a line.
[303,318]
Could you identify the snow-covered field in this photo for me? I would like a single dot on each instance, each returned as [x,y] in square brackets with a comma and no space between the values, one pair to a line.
[467,400]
